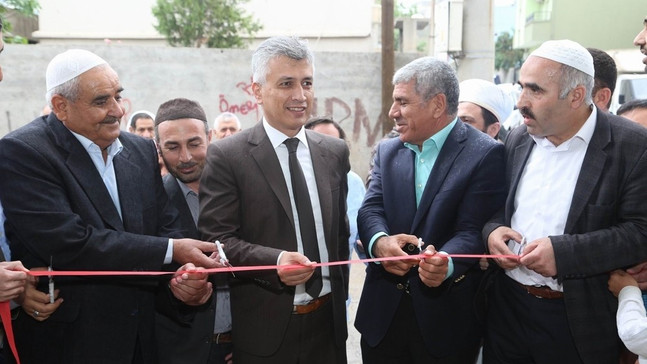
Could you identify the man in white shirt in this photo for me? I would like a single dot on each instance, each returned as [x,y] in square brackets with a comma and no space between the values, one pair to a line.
[250,200]
[631,319]
[574,211]
[80,194]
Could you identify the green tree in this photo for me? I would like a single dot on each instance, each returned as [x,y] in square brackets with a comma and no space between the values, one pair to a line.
[210,23]
[505,57]
[28,8]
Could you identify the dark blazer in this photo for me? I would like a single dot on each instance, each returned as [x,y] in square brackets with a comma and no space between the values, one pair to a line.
[182,340]
[606,227]
[464,189]
[57,206]
[244,202]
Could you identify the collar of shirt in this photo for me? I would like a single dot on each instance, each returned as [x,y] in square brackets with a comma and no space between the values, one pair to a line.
[113,149]
[584,134]
[277,138]
[437,140]
[426,158]
[186,190]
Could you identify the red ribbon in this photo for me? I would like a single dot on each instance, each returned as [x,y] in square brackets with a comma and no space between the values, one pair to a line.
[5,311]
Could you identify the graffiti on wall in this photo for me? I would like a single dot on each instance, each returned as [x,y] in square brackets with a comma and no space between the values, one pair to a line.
[351,116]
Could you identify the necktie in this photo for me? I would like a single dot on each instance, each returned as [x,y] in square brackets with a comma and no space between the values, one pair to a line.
[306,217]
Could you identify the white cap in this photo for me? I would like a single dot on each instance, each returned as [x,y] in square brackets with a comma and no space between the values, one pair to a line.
[488,96]
[68,65]
[567,52]
[145,112]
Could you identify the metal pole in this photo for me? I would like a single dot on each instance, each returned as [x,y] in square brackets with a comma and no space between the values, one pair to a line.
[388,64]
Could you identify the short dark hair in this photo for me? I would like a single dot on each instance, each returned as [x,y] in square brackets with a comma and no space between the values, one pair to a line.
[488,117]
[631,105]
[312,122]
[606,72]
[180,108]
[0,23]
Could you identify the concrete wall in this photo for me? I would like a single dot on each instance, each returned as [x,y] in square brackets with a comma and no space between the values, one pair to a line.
[347,85]
[478,41]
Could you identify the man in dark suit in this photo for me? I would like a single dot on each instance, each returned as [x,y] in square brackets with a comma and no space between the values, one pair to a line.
[182,134]
[576,203]
[78,193]
[439,182]
[248,202]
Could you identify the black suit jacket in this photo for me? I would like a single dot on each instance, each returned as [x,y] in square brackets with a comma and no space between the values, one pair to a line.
[58,206]
[605,230]
[183,334]
[464,189]
[244,203]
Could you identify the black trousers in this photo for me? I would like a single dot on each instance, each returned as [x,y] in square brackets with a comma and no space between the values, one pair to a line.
[522,328]
[310,339]
[403,343]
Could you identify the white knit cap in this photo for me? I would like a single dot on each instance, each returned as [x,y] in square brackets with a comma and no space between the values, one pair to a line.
[69,64]
[567,52]
[488,96]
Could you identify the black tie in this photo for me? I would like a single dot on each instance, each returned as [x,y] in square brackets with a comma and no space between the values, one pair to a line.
[306,218]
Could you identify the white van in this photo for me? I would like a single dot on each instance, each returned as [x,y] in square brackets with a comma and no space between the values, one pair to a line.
[628,87]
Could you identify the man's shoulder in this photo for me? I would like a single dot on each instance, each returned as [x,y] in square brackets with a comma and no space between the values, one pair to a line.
[237,141]
[35,129]
[623,128]
[170,183]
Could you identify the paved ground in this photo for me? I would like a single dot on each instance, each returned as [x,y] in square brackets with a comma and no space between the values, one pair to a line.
[353,350]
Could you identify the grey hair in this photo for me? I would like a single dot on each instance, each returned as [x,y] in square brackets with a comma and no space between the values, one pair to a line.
[227,116]
[432,77]
[570,78]
[69,89]
[291,47]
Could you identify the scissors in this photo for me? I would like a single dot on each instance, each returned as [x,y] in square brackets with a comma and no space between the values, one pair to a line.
[223,256]
[51,281]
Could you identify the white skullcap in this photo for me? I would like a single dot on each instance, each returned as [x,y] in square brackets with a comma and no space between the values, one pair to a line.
[567,52]
[488,96]
[69,64]
[145,112]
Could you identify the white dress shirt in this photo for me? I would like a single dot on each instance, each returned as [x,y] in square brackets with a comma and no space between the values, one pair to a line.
[303,155]
[632,322]
[545,192]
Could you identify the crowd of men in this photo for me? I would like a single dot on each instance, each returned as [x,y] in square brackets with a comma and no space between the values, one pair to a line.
[556,202]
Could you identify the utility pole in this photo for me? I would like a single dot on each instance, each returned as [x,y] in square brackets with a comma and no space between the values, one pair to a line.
[388,64]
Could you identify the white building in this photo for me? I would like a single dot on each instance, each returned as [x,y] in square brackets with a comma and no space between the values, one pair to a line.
[330,25]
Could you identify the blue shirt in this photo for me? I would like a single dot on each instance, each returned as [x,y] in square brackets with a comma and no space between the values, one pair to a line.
[356,192]
[4,243]
[424,163]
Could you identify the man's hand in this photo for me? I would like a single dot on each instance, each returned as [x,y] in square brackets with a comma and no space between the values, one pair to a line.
[639,272]
[190,285]
[433,268]
[294,276]
[497,245]
[620,279]
[34,301]
[13,278]
[391,246]
[192,251]
[540,257]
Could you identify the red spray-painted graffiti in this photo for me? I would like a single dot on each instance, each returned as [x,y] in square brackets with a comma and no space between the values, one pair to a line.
[351,116]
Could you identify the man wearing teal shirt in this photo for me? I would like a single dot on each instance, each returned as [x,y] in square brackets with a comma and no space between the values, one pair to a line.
[435,188]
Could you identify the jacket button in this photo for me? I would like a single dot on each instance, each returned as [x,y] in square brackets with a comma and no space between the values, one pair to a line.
[399,286]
